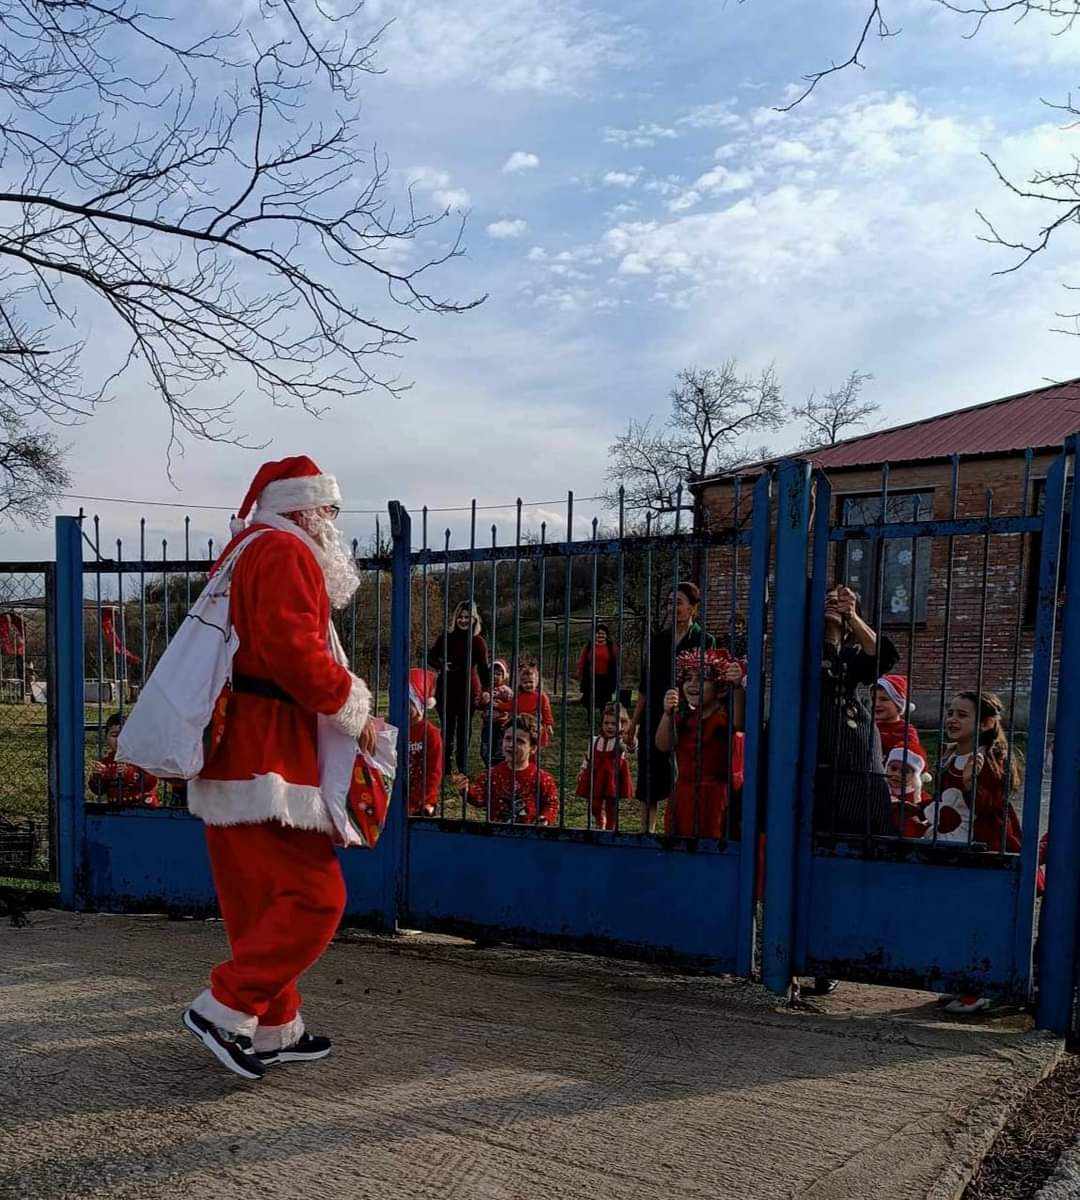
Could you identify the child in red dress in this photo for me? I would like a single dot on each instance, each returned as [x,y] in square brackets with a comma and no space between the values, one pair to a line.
[972,803]
[606,769]
[117,783]
[521,794]
[530,700]
[709,704]
[425,746]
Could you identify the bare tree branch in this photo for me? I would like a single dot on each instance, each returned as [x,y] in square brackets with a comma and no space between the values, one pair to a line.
[832,417]
[211,198]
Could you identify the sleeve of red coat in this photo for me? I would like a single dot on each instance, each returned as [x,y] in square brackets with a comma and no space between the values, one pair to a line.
[286,589]
[546,717]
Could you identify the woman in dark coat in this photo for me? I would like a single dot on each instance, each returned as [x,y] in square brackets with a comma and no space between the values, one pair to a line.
[850,792]
[460,682]
[600,661]
[655,776]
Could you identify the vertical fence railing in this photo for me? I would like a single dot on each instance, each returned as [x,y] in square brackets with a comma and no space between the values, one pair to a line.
[1059,954]
[394,836]
[789,636]
[70,712]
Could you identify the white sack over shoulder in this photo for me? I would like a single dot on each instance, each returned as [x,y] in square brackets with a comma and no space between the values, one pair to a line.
[163,733]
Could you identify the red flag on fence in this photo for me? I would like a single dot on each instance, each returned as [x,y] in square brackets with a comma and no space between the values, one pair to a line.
[108,628]
[12,634]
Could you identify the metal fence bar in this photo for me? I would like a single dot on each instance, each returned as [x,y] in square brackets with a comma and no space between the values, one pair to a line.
[1058,950]
[789,641]
[1039,709]
[70,713]
[395,835]
[755,707]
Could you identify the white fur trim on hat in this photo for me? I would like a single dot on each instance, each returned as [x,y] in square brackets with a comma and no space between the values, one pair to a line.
[901,702]
[899,755]
[296,495]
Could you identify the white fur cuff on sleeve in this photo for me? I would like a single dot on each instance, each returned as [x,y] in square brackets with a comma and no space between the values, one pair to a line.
[352,716]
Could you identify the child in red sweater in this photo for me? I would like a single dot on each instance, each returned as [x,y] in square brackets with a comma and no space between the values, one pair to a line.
[706,707]
[530,700]
[521,794]
[903,774]
[425,746]
[605,768]
[972,803]
[121,784]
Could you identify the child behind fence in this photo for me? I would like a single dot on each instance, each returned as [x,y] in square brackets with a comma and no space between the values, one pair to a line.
[530,700]
[698,725]
[605,769]
[520,793]
[978,775]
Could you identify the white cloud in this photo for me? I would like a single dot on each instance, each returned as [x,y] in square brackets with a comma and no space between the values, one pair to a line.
[548,46]
[507,228]
[438,185]
[624,179]
[536,254]
[520,160]
[641,136]
[712,116]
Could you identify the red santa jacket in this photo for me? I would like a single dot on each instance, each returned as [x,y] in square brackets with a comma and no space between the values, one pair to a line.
[265,766]
[122,783]
[513,795]
[425,767]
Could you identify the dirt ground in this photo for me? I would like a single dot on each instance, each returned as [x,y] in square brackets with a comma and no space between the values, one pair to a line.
[503,1074]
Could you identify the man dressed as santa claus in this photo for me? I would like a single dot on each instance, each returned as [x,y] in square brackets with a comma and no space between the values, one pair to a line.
[268,830]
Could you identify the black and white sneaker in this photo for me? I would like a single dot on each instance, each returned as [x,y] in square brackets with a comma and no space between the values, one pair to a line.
[305,1049]
[232,1050]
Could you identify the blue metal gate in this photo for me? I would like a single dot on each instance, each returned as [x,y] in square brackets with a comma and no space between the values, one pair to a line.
[876,907]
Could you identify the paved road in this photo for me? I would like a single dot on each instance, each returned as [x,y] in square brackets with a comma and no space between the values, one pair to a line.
[476,1074]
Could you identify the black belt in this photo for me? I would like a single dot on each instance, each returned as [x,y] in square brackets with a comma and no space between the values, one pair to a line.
[252,685]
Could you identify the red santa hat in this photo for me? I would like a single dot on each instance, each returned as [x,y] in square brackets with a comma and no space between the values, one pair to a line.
[895,687]
[899,755]
[422,689]
[288,485]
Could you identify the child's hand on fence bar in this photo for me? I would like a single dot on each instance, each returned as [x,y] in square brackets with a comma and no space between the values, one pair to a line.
[671,700]
[733,674]
[459,780]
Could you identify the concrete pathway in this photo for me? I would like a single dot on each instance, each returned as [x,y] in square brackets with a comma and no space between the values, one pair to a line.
[467,1073]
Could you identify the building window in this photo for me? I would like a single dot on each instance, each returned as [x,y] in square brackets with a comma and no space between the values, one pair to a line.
[1035,542]
[904,572]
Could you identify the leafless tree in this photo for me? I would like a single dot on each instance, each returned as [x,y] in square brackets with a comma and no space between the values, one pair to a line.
[32,470]
[831,417]
[206,194]
[714,411]
[1055,192]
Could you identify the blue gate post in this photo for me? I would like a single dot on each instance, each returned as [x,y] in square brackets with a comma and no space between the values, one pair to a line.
[785,706]
[70,714]
[395,835]
[1058,955]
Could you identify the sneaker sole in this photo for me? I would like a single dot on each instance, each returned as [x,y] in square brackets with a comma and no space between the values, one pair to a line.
[219,1052]
[293,1058]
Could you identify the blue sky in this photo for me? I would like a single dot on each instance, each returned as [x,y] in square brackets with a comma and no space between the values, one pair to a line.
[636,205]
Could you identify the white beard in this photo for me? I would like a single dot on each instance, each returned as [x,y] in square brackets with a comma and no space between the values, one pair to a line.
[335,557]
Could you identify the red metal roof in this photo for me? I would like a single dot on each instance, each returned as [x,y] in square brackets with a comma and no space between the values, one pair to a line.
[1038,419]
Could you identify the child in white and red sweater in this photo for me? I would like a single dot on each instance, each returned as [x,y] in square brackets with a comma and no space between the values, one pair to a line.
[605,769]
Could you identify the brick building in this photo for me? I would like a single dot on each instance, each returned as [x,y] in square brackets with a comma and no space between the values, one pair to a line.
[905,584]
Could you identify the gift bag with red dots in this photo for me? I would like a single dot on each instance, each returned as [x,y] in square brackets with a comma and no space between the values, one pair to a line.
[370,787]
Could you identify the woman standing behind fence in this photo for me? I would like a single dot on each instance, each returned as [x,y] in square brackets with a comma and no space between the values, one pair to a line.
[599,662]
[460,655]
[850,793]
[655,776]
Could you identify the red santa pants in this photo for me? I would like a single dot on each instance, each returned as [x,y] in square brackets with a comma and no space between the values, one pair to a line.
[282,895]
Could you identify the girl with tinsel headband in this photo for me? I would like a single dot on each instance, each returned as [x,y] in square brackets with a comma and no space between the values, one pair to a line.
[700,717]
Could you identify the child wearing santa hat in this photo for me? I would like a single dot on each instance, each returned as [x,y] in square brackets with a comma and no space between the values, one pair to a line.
[892,715]
[425,746]
[903,773]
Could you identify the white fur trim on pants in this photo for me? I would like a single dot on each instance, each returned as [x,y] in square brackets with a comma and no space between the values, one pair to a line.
[264,798]
[353,715]
[277,1037]
[224,1017]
